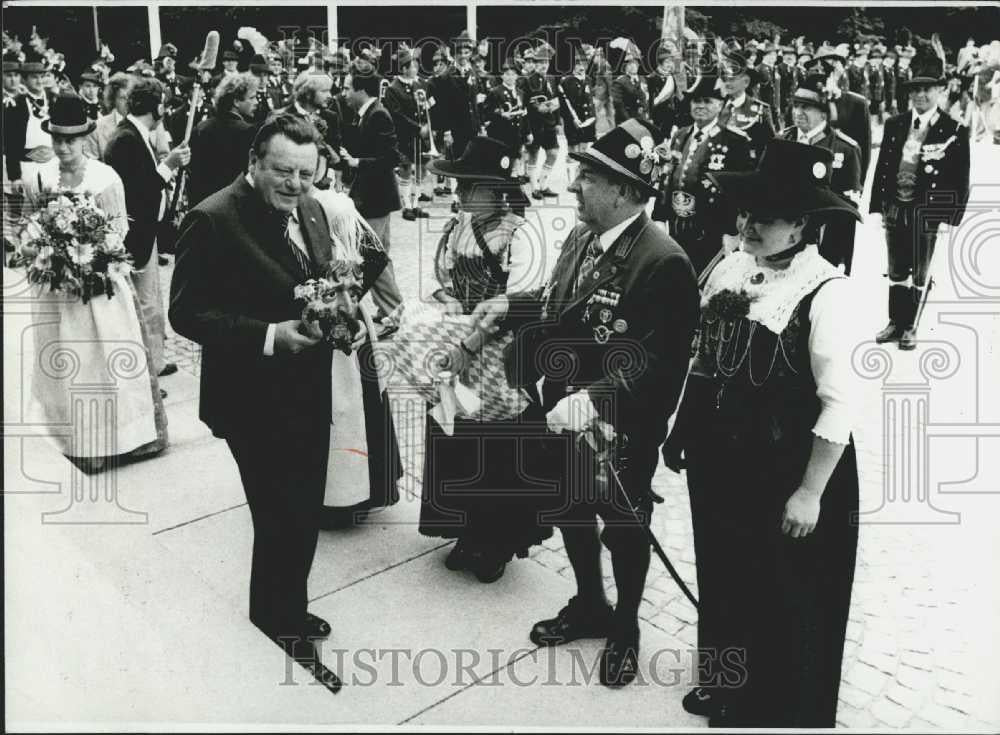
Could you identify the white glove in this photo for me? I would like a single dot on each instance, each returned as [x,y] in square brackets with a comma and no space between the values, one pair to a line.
[575,412]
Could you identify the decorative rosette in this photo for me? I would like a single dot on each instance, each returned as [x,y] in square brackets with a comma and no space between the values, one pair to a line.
[729,305]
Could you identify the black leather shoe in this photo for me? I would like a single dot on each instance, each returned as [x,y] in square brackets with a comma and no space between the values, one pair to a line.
[908,339]
[442,191]
[421,214]
[703,701]
[458,558]
[488,567]
[620,660]
[163,393]
[573,622]
[409,214]
[547,192]
[169,369]
[315,628]
[889,334]
[425,198]
[537,194]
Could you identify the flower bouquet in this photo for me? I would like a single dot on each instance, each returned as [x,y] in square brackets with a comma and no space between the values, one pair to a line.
[331,303]
[70,245]
[415,359]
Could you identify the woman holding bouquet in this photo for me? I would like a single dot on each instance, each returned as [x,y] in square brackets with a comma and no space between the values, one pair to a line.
[100,327]
[765,428]
[473,482]
[364,465]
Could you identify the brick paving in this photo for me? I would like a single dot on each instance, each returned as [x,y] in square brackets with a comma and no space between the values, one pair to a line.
[911,658]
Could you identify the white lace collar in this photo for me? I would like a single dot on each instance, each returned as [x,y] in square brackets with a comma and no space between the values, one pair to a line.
[774,293]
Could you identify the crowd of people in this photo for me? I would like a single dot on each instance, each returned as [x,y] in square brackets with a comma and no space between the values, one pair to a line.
[717,216]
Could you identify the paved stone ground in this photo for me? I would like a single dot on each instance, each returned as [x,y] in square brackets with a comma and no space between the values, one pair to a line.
[924,623]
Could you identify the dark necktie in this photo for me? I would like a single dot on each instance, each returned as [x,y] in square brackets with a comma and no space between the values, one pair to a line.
[304,261]
[916,123]
[593,253]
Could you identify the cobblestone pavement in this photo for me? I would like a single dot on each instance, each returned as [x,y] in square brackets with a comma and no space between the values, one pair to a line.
[924,624]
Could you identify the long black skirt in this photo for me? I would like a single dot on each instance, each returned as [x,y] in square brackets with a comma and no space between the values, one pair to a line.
[479,485]
[772,609]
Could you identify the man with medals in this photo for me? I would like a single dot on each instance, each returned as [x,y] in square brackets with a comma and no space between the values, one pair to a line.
[620,286]
[543,106]
[811,113]
[921,181]
[696,214]
[577,107]
[852,109]
[407,101]
[741,111]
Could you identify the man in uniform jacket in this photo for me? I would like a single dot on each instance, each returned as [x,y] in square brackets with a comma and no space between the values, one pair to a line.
[542,100]
[576,103]
[811,112]
[696,213]
[857,73]
[409,116]
[852,109]
[876,85]
[373,160]
[741,111]
[788,82]
[265,379]
[453,115]
[921,181]
[630,92]
[620,286]
[506,117]
[769,90]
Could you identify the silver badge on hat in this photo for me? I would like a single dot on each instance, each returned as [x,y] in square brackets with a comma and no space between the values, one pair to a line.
[632,151]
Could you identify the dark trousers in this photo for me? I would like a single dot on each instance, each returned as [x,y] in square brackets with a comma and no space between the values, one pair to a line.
[910,239]
[284,477]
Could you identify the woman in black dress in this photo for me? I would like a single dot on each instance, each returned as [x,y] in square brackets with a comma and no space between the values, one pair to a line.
[765,429]
[476,488]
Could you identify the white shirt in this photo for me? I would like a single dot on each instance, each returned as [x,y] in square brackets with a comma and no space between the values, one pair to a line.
[608,237]
[364,108]
[925,119]
[700,134]
[165,172]
[295,235]
[815,132]
[737,101]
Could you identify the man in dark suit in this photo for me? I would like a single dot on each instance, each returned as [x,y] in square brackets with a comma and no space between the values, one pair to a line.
[621,287]
[130,152]
[921,181]
[811,112]
[375,191]
[265,376]
[851,107]
[220,143]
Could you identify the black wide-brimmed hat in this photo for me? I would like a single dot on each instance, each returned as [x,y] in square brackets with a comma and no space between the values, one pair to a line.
[812,91]
[706,85]
[68,116]
[791,179]
[484,158]
[11,63]
[928,69]
[626,151]
[34,63]
[93,77]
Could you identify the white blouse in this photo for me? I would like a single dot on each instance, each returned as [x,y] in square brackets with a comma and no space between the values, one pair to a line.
[99,180]
[834,329]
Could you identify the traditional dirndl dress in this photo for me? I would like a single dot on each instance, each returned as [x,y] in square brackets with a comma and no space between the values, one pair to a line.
[777,604]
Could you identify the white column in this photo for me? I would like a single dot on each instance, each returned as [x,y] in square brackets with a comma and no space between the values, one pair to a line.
[470,18]
[153,11]
[332,30]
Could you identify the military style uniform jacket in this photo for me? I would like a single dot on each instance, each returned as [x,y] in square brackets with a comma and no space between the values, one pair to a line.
[454,104]
[846,177]
[624,335]
[473,88]
[537,87]
[630,96]
[577,98]
[753,117]
[401,102]
[853,118]
[687,193]
[670,111]
[770,91]
[942,167]
[511,130]
[858,80]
